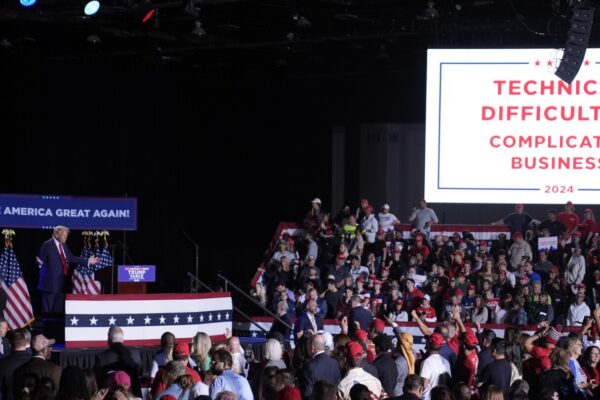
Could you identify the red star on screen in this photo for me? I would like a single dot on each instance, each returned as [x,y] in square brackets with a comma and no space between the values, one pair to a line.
[587,63]
[549,63]
[537,63]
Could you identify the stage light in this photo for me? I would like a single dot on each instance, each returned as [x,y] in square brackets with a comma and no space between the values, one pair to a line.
[91,7]
[430,11]
[577,41]
[301,21]
[27,3]
[198,29]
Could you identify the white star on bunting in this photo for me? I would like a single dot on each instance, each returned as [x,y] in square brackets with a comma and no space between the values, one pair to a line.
[147,320]
[201,317]
[219,316]
[74,321]
[209,317]
[162,320]
[130,320]
[93,321]
[190,319]
[112,320]
[176,319]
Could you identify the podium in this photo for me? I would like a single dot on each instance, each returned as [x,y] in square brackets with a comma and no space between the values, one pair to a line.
[131,288]
[132,279]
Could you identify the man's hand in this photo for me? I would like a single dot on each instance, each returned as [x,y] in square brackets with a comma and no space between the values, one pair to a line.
[596,312]
[93,260]
[388,320]
[39,262]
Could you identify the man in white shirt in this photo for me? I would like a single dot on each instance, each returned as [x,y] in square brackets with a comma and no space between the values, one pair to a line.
[435,369]
[387,219]
[358,375]
[370,225]
[578,310]
[240,366]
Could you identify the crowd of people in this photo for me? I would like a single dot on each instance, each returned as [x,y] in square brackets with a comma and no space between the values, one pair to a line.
[361,269]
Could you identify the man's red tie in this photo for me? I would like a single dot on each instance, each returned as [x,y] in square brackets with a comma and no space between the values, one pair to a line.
[63,259]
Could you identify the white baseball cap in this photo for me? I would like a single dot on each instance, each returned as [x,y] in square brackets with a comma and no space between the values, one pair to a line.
[316,200]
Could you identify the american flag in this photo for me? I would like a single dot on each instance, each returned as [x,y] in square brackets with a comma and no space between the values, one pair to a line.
[83,276]
[18,311]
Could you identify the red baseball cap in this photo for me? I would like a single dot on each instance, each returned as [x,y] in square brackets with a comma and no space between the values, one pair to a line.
[378,325]
[341,256]
[181,349]
[519,206]
[361,335]
[458,292]
[399,301]
[355,350]
[436,340]
[470,338]
[554,269]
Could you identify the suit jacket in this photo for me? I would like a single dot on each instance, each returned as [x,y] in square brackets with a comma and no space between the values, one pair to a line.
[320,368]
[387,372]
[281,328]
[52,277]
[8,366]
[363,316]
[5,347]
[40,367]
[303,324]
[118,357]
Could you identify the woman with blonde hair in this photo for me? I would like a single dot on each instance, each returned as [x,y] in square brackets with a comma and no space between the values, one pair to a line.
[199,351]
[559,377]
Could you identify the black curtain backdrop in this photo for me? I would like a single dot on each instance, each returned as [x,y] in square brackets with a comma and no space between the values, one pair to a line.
[223,159]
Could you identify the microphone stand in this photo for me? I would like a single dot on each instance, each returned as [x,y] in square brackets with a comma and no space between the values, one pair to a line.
[195,288]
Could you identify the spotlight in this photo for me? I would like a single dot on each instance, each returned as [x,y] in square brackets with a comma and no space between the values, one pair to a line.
[301,21]
[577,41]
[91,7]
[93,39]
[430,11]
[198,29]
[27,3]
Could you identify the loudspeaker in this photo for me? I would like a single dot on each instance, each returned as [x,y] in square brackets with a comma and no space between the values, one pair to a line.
[577,41]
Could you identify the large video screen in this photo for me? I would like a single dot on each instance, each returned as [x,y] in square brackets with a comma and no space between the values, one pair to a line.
[502,128]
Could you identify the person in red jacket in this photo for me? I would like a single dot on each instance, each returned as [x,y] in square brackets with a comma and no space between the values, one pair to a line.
[568,218]
[425,311]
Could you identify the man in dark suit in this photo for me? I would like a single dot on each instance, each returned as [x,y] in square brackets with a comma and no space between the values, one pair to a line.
[18,356]
[284,326]
[308,323]
[321,368]
[4,346]
[53,260]
[38,365]
[359,315]
[118,357]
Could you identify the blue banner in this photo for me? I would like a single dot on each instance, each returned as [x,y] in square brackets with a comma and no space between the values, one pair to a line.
[45,211]
[136,273]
